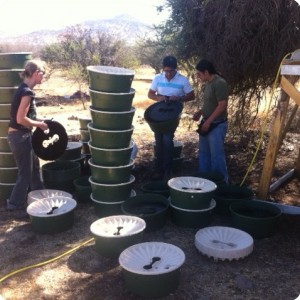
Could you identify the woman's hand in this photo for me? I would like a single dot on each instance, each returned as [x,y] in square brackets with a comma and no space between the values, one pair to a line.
[43,125]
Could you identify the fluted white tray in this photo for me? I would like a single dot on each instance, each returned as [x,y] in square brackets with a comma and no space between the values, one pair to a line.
[45,193]
[192,184]
[152,258]
[51,207]
[223,243]
[118,226]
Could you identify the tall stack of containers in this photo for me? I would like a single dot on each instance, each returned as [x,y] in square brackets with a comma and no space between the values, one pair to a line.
[11,65]
[110,138]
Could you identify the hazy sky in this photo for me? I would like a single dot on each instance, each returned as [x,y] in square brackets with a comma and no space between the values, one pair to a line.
[22,16]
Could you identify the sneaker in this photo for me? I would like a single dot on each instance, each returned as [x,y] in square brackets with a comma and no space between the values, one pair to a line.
[10,207]
[18,214]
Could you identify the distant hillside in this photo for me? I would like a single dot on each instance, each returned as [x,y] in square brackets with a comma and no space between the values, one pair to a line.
[123,26]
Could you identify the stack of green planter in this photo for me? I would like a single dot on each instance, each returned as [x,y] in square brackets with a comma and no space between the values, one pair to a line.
[110,137]
[11,65]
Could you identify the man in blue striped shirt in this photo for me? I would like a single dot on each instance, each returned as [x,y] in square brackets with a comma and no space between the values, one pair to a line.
[169,85]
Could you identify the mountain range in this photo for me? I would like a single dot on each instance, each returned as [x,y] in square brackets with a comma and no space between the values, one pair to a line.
[123,26]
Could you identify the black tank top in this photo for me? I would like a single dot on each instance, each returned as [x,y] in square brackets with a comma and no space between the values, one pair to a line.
[23,90]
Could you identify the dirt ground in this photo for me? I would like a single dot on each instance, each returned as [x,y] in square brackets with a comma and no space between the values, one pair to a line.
[271,271]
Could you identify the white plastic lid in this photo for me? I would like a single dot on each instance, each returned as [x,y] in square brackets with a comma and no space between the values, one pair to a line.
[51,207]
[192,184]
[118,226]
[223,243]
[152,258]
[45,193]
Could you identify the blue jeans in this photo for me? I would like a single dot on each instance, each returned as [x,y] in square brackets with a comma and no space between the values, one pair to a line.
[28,169]
[164,151]
[211,151]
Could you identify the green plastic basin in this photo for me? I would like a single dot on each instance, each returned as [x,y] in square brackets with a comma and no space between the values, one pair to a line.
[156,187]
[83,122]
[84,135]
[5,191]
[59,175]
[5,111]
[110,139]
[10,77]
[112,192]
[110,174]
[115,233]
[226,194]
[73,151]
[110,79]
[152,208]
[192,218]
[257,218]
[3,128]
[7,160]
[14,60]
[83,188]
[4,146]
[152,269]
[106,209]
[112,101]
[8,175]
[111,157]
[191,192]
[6,94]
[52,215]
[110,120]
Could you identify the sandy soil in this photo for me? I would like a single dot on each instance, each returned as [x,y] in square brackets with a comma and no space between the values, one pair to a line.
[271,271]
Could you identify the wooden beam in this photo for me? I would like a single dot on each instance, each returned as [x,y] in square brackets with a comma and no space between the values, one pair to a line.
[290,89]
[289,122]
[273,146]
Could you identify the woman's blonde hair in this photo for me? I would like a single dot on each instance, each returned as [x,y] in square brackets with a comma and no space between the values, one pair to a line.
[30,68]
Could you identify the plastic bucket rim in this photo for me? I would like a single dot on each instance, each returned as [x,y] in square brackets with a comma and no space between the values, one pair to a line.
[239,203]
[132,179]
[102,202]
[90,162]
[212,206]
[132,110]
[90,127]
[95,68]
[131,145]
[132,91]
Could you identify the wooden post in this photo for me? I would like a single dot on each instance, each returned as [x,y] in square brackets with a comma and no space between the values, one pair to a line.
[289,68]
[273,146]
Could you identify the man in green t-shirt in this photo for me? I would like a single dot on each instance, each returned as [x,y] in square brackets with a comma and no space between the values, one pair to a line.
[214,124]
